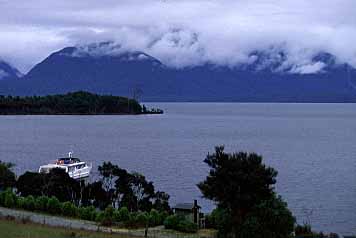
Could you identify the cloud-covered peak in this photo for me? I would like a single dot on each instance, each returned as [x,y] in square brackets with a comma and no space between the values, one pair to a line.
[274,59]
[93,50]
[183,33]
[8,72]
[106,49]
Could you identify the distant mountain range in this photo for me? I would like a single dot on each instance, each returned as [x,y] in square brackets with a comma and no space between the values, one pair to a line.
[106,68]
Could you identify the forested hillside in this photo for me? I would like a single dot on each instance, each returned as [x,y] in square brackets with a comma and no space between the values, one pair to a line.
[72,103]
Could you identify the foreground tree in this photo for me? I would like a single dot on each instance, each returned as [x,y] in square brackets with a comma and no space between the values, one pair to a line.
[161,202]
[239,183]
[130,190]
[143,192]
[57,183]
[7,177]
[31,184]
[269,219]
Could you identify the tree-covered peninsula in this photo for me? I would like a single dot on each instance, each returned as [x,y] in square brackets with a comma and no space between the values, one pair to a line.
[76,103]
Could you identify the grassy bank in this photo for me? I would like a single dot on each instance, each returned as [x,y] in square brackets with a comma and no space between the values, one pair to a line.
[15,229]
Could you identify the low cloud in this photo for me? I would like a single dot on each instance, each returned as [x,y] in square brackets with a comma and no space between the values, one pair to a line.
[183,33]
[3,74]
[311,68]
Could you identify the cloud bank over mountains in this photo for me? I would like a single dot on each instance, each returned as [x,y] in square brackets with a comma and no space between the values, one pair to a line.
[184,33]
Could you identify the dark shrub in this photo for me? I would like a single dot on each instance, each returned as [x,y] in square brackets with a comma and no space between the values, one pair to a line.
[99,216]
[106,217]
[123,215]
[87,213]
[187,227]
[163,215]
[141,219]
[155,218]
[29,203]
[41,203]
[9,199]
[7,177]
[131,222]
[2,198]
[171,222]
[179,223]
[272,217]
[21,202]
[54,206]
[115,216]
[68,209]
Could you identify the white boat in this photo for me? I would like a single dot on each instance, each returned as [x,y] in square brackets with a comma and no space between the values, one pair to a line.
[75,168]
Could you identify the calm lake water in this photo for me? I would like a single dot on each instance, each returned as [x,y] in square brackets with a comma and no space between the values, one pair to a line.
[313,146]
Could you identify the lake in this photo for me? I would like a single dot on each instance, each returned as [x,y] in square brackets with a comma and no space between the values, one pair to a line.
[313,147]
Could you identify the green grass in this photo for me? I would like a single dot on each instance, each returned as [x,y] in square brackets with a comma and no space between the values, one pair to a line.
[15,229]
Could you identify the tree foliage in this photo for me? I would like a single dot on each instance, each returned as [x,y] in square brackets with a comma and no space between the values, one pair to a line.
[7,177]
[58,194]
[57,183]
[179,223]
[69,209]
[72,103]
[131,190]
[239,183]
[269,219]
[54,206]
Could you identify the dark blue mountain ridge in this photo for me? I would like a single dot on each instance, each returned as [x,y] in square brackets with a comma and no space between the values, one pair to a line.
[107,68]
[8,72]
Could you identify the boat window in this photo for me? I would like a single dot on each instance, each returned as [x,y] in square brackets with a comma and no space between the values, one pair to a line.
[80,166]
[70,169]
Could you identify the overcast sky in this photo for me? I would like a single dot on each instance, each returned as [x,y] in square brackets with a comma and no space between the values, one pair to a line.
[180,32]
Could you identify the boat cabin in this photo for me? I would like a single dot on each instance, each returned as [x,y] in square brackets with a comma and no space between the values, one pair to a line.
[73,166]
[67,161]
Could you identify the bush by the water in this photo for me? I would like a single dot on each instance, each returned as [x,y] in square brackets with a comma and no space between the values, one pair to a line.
[54,206]
[107,217]
[87,213]
[179,223]
[122,215]
[41,203]
[69,210]
[9,199]
[155,218]
[30,203]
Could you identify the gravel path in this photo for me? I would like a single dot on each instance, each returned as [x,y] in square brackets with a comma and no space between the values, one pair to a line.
[154,232]
[51,220]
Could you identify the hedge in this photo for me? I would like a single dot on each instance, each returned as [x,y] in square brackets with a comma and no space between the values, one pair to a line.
[54,206]
[179,223]
[69,209]
[107,217]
